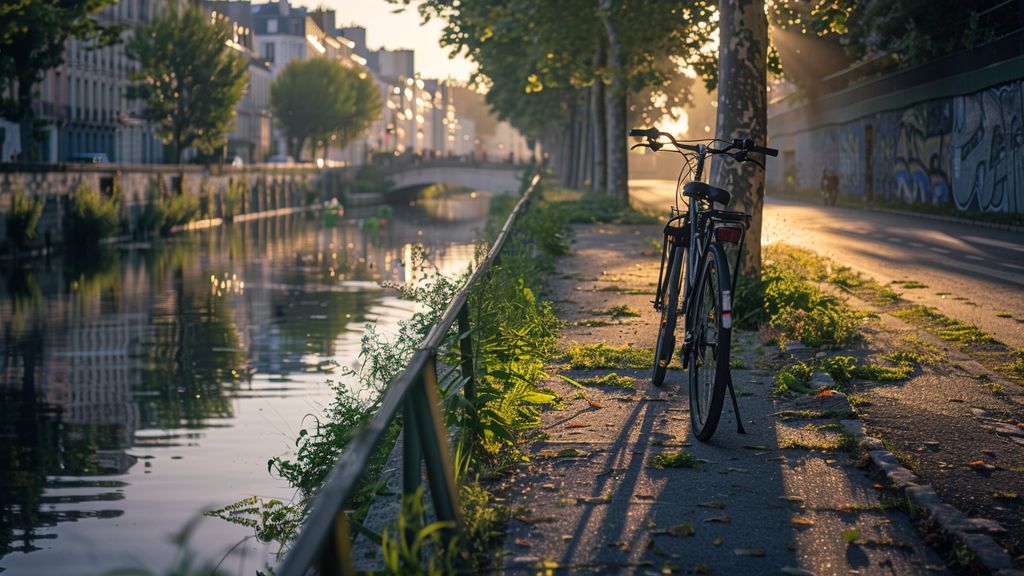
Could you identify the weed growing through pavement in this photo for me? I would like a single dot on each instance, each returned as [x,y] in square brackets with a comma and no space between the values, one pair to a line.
[596,356]
[612,379]
[622,311]
[674,459]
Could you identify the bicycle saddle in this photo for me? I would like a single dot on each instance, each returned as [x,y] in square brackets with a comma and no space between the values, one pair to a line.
[707,191]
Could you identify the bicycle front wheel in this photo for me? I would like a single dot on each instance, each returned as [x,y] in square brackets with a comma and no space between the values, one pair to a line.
[666,342]
[710,336]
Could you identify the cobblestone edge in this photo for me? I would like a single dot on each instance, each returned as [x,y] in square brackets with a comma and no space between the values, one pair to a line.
[924,501]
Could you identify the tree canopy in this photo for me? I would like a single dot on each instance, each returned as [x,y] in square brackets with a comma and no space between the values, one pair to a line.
[190,78]
[32,39]
[316,99]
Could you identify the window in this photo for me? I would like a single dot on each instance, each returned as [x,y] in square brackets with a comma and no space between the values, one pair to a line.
[272,26]
[268,51]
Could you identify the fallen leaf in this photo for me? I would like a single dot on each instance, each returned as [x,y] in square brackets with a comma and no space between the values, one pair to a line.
[523,543]
[548,487]
[717,541]
[732,469]
[531,520]
[978,465]
[825,393]
[801,521]
[680,530]
[566,537]
[718,520]
[757,447]
[595,499]
[851,535]
[715,505]
[752,552]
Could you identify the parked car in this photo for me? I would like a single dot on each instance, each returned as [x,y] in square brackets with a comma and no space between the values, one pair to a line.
[89,158]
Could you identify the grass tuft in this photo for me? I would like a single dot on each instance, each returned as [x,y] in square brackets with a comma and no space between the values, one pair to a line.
[595,356]
[675,459]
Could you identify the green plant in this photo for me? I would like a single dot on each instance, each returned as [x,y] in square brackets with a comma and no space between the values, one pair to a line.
[232,200]
[674,459]
[589,356]
[411,548]
[90,218]
[611,379]
[622,311]
[794,379]
[596,207]
[23,219]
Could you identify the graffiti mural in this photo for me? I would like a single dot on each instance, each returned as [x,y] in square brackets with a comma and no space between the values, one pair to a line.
[987,149]
[851,164]
[922,159]
[964,151]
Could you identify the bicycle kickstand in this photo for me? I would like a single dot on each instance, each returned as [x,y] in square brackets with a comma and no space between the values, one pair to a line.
[736,408]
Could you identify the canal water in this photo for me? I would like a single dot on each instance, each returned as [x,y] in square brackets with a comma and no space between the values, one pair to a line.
[148,384]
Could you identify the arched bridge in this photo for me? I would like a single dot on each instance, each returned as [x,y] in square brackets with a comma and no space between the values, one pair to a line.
[490,177]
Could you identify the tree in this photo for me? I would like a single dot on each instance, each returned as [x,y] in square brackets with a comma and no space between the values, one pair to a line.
[318,98]
[190,78]
[539,67]
[32,38]
[743,110]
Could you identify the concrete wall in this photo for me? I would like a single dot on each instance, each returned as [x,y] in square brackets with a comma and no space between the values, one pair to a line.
[267,189]
[958,141]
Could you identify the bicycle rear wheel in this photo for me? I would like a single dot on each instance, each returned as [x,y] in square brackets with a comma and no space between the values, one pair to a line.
[710,334]
[666,342]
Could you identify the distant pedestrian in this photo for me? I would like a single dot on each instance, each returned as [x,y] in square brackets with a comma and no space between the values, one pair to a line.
[829,186]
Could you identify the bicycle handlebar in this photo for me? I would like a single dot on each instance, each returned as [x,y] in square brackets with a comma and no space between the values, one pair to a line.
[748,145]
[742,145]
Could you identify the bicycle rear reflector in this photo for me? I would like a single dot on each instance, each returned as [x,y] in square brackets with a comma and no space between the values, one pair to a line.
[728,234]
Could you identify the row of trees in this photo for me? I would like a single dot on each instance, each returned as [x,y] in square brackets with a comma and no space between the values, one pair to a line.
[189,78]
[577,73]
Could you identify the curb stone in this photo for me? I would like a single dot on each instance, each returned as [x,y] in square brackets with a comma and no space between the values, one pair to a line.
[970,532]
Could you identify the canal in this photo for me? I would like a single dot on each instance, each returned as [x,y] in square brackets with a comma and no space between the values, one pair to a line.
[150,383]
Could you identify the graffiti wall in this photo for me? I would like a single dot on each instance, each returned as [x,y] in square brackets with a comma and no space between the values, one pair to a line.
[966,151]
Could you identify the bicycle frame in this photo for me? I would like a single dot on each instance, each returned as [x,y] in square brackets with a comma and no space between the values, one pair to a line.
[695,249]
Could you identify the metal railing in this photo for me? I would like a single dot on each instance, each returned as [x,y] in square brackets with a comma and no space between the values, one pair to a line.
[325,539]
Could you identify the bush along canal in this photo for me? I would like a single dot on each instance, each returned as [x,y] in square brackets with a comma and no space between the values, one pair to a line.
[146,384]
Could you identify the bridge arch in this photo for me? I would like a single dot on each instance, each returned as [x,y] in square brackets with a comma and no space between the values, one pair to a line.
[494,178]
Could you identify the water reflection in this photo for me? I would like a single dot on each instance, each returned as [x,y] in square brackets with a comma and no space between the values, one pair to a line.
[142,384]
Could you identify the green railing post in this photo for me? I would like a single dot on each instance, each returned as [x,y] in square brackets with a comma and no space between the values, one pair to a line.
[412,452]
[434,440]
[466,354]
[336,557]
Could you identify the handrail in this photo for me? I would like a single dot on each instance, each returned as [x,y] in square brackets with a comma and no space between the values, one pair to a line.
[324,539]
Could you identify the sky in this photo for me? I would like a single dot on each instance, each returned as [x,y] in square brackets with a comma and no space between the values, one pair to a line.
[404,30]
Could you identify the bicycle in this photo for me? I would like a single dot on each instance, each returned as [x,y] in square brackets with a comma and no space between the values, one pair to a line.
[699,234]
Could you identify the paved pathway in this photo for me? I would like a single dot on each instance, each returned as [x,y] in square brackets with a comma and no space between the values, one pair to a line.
[589,501]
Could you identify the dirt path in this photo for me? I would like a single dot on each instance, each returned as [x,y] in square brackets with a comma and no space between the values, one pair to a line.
[590,501]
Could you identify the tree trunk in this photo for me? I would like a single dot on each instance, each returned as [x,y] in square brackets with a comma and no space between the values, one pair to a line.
[599,137]
[742,111]
[584,141]
[615,107]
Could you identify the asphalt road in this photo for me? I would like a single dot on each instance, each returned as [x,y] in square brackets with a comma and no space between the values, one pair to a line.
[971,273]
